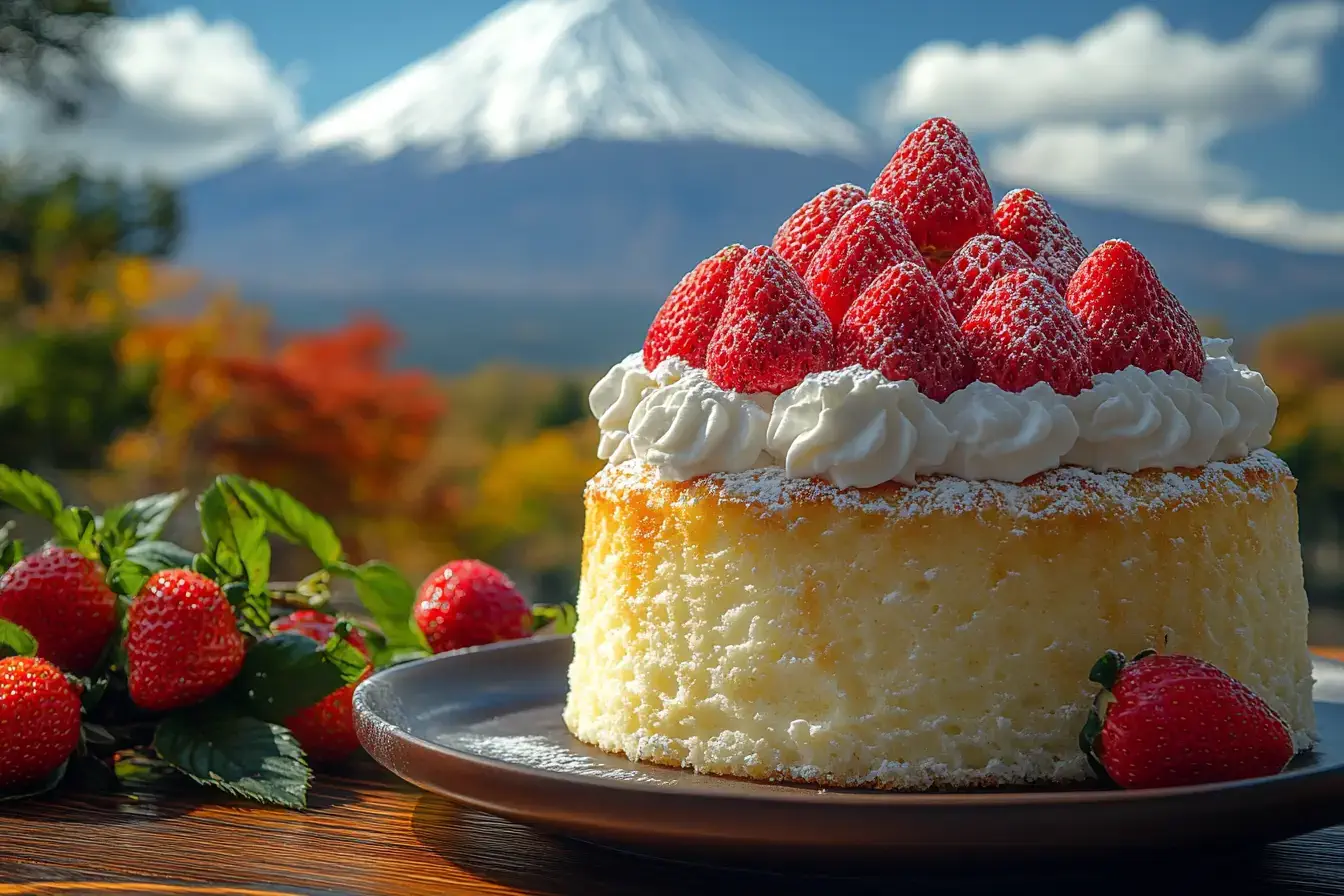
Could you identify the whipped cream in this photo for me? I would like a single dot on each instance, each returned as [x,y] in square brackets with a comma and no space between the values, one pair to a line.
[854,427]
[1246,404]
[690,427]
[1132,420]
[614,399]
[1006,435]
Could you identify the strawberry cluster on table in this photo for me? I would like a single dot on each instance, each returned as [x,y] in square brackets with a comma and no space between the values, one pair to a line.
[923,277]
[126,656]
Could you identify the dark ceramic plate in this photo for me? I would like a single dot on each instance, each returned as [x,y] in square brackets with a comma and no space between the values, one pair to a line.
[483,727]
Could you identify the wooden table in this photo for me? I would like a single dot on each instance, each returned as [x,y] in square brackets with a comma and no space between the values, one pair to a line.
[368,833]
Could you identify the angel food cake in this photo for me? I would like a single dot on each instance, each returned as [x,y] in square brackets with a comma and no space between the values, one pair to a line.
[878,495]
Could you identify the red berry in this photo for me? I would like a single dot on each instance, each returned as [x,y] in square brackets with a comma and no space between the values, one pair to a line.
[467,603]
[979,262]
[869,239]
[773,332]
[1130,318]
[1021,333]
[902,328]
[682,327]
[799,238]
[182,644]
[1172,721]
[61,598]
[1026,218]
[326,729]
[39,720]
[935,180]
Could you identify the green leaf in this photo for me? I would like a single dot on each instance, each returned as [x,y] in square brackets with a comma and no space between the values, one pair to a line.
[11,548]
[159,555]
[234,539]
[29,493]
[15,640]
[46,785]
[240,755]
[390,600]
[144,519]
[127,577]
[77,527]
[286,517]
[558,619]
[287,672]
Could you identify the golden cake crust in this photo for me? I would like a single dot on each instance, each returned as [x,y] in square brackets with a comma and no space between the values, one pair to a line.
[918,637]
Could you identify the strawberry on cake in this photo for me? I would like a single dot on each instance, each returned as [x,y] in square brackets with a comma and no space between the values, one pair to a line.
[878,496]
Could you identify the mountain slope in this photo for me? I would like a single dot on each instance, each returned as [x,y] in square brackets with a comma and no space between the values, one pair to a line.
[540,73]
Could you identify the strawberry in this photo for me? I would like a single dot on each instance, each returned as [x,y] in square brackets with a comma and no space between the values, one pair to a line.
[799,238]
[682,327]
[867,240]
[325,730]
[1130,318]
[467,603]
[182,645]
[1026,218]
[979,262]
[935,180]
[1021,333]
[39,720]
[1167,720]
[61,598]
[902,328]
[773,332]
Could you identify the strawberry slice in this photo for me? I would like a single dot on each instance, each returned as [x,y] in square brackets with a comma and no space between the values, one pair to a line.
[772,333]
[1026,218]
[1021,333]
[1129,317]
[1170,720]
[865,242]
[683,326]
[799,238]
[979,262]
[902,328]
[935,180]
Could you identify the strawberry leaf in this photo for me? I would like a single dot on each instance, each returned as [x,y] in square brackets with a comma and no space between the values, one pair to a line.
[46,785]
[288,672]
[29,493]
[15,640]
[390,600]
[77,527]
[556,619]
[286,517]
[237,754]
[235,541]
[143,519]
[159,555]
[127,577]
[11,548]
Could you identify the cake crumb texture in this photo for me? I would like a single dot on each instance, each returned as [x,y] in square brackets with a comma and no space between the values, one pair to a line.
[919,637]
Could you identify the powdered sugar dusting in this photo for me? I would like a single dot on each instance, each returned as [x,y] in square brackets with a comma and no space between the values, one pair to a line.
[1026,218]
[540,752]
[1066,491]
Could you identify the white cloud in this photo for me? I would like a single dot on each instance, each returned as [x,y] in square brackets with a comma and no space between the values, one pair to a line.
[1128,114]
[191,97]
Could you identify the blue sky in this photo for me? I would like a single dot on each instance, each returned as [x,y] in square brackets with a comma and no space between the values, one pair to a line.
[836,48]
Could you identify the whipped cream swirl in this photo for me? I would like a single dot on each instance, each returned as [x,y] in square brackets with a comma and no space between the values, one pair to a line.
[1132,420]
[854,427]
[1247,406]
[1006,435]
[691,427]
[614,399]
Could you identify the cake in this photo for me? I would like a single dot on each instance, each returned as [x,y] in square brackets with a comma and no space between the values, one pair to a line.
[878,496]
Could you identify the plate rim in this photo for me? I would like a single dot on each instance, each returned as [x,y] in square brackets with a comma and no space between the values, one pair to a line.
[778,792]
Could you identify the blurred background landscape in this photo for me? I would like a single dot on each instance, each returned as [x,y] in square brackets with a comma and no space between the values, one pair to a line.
[377,254]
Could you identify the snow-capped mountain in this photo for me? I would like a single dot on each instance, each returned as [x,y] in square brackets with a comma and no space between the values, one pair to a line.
[544,181]
[540,73]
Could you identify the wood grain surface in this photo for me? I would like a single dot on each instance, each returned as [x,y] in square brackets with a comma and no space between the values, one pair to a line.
[369,834]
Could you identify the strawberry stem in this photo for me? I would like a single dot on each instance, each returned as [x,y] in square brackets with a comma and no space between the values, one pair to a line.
[1107,669]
